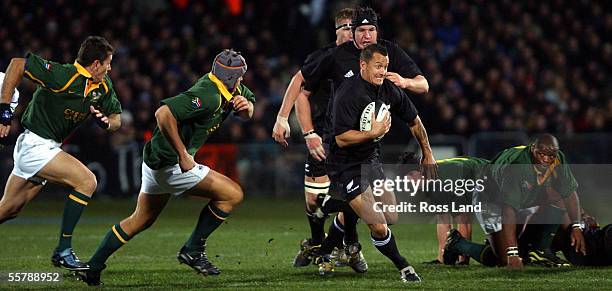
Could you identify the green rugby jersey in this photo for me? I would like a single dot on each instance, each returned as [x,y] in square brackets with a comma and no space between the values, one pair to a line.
[516,178]
[63,96]
[460,167]
[198,111]
[456,169]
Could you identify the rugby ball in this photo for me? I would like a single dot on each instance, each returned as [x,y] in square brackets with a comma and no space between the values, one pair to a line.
[365,123]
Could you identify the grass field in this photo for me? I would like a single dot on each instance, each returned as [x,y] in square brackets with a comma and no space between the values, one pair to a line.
[254,250]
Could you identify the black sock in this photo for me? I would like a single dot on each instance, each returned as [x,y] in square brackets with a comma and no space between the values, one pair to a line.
[334,237]
[350,227]
[317,228]
[388,247]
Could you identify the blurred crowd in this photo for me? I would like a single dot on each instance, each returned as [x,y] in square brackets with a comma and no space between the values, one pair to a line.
[503,65]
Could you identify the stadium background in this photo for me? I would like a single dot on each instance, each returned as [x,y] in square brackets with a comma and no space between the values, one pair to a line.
[499,72]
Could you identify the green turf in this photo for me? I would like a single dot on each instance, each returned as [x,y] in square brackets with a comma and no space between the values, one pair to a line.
[254,250]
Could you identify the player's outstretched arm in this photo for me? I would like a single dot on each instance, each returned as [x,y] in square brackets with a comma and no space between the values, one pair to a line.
[281,129]
[418,84]
[14,74]
[428,162]
[169,128]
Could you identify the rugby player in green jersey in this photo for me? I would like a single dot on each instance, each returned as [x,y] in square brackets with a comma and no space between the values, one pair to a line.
[517,213]
[66,95]
[459,168]
[184,123]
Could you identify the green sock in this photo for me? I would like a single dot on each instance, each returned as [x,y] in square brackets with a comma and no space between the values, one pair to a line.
[75,204]
[210,218]
[472,249]
[113,240]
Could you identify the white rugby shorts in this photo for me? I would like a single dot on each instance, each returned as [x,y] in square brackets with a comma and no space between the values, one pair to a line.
[170,180]
[32,153]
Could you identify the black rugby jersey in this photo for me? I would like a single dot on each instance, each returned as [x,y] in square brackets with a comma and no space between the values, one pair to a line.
[349,102]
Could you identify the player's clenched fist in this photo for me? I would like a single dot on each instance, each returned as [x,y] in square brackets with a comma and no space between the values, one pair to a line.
[240,103]
[6,115]
[242,106]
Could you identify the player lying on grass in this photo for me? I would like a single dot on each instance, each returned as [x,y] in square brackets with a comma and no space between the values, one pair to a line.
[459,168]
[65,96]
[353,159]
[518,215]
[184,123]
[597,240]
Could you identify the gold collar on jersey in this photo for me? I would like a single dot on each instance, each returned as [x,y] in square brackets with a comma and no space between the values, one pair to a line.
[228,96]
[89,85]
[82,70]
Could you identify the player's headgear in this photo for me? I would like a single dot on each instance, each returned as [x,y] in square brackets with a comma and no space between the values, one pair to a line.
[228,67]
[364,16]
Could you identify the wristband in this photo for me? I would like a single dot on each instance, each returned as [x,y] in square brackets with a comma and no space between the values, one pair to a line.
[576,225]
[309,133]
[512,252]
[6,114]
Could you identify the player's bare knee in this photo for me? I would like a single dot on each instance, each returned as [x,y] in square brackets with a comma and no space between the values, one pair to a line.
[87,186]
[378,230]
[311,200]
[237,196]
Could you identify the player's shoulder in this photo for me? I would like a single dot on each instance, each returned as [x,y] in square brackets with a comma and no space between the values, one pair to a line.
[562,157]
[320,54]
[352,89]
[37,62]
[350,84]
[108,82]
[514,155]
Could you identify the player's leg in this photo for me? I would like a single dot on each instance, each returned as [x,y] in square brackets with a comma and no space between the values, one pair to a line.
[147,210]
[316,182]
[343,228]
[464,225]
[536,240]
[225,195]
[313,186]
[66,170]
[442,228]
[17,193]
[382,237]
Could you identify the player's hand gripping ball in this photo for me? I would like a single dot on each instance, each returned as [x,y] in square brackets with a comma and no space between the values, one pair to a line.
[365,122]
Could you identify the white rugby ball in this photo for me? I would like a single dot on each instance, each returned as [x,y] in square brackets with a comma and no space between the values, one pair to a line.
[365,123]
